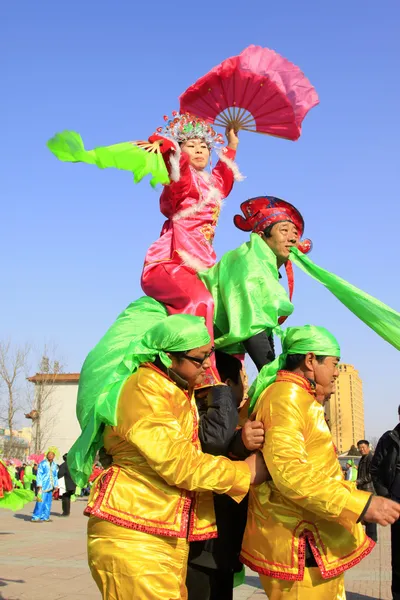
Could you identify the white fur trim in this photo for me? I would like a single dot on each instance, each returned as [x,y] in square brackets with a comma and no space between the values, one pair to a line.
[237,176]
[191,261]
[213,195]
[174,161]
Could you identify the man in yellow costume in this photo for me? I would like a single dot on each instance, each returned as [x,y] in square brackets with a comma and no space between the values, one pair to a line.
[156,496]
[304,527]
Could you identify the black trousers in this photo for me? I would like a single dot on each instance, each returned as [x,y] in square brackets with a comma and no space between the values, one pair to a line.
[209,584]
[261,349]
[371,529]
[395,531]
[66,503]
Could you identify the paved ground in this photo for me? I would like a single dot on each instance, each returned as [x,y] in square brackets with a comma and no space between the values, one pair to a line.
[48,561]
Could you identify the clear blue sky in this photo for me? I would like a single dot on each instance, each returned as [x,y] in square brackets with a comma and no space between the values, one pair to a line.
[74,237]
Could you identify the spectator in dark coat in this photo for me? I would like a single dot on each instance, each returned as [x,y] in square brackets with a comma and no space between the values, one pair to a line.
[213,563]
[70,487]
[385,471]
[34,474]
[364,481]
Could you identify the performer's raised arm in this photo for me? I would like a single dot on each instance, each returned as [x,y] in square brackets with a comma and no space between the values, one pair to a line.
[226,171]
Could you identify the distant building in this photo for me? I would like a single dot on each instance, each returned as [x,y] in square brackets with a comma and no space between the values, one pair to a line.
[58,425]
[345,409]
[21,441]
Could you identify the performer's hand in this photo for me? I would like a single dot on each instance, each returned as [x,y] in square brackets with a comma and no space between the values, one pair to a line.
[232,137]
[165,144]
[253,435]
[382,511]
[258,469]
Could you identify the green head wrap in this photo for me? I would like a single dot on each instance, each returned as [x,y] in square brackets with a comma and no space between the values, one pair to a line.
[104,373]
[295,340]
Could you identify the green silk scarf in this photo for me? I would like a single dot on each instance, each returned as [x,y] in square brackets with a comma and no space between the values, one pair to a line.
[68,146]
[248,297]
[385,321]
[140,334]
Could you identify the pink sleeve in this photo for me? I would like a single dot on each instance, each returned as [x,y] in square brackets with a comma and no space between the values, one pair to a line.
[223,173]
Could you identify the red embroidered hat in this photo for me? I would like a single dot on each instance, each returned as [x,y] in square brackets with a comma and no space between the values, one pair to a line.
[263,211]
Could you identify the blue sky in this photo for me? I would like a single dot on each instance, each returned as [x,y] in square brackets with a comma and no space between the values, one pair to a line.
[74,237]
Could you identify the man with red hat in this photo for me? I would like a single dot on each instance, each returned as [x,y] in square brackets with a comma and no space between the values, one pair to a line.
[249,299]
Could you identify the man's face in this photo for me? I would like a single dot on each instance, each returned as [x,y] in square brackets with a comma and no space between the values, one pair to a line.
[194,365]
[325,375]
[283,237]
[50,456]
[363,449]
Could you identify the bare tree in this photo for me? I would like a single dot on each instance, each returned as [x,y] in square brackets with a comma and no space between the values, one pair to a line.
[13,365]
[43,414]
[373,441]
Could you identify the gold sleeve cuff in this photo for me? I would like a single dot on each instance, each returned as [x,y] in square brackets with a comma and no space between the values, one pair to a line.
[242,482]
[354,506]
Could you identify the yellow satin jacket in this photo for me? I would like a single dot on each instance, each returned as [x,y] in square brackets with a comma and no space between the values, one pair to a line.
[158,467]
[307,497]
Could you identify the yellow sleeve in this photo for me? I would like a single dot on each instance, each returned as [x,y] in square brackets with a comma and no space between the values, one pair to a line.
[158,436]
[284,416]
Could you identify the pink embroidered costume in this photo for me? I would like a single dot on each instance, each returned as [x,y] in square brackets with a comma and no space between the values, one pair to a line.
[192,204]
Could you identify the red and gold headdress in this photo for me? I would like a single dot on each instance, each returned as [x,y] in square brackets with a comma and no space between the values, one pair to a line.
[183,127]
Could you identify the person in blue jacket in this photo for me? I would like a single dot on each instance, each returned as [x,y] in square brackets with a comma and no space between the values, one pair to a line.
[47,483]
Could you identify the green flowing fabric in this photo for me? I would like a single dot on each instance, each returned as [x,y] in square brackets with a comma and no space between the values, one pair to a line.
[68,147]
[140,334]
[385,321]
[239,578]
[16,499]
[106,361]
[248,297]
[295,340]
[28,476]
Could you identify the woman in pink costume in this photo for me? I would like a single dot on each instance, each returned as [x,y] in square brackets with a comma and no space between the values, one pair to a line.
[192,204]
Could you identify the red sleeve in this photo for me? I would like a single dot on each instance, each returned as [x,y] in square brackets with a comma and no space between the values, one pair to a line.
[181,180]
[177,164]
[223,174]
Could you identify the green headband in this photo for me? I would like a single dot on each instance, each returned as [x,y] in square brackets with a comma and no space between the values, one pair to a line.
[295,340]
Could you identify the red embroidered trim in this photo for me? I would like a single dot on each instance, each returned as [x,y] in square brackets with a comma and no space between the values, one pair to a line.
[325,573]
[270,573]
[195,434]
[295,541]
[205,536]
[186,516]
[130,525]
[191,523]
[329,573]
[181,511]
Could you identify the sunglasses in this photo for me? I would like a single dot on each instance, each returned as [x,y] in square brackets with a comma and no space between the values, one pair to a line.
[197,360]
